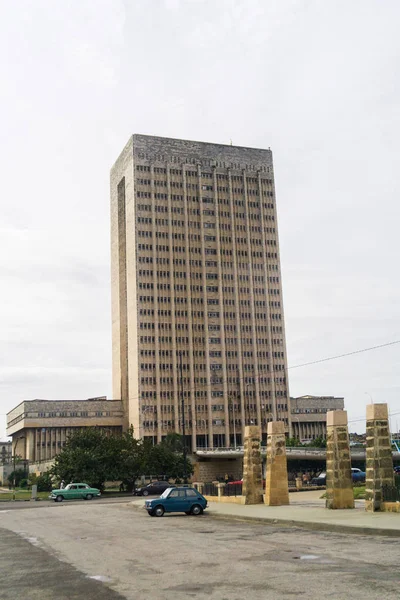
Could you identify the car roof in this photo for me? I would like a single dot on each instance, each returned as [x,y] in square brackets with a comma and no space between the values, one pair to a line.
[78,483]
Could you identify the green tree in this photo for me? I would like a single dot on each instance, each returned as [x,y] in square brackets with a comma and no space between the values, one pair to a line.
[168,462]
[293,443]
[132,457]
[45,482]
[319,442]
[19,476]
[93,457]
[89,456]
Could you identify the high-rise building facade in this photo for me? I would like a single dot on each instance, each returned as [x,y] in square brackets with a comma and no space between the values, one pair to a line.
[197,313]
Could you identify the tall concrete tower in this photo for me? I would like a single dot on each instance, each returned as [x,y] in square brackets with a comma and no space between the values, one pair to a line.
[197,311]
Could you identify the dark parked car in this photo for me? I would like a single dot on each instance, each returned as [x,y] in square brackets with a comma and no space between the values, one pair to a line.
[156,488]
[397,470]
[320,480]
[187,500]
[357,476]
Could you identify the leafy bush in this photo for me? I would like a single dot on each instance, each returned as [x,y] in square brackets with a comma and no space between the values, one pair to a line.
[19,476]
[44,482]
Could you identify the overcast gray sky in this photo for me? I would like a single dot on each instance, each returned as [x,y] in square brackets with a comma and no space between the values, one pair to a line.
[317,81]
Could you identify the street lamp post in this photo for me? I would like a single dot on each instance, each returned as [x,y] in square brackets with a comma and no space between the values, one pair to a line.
[22,437]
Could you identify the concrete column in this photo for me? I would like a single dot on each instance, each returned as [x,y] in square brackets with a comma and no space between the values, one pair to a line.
[267,273]
[30,444]
[250,236]
[189,309]
[242,399]
[176,402]
[379,456]
[252,466]
[339,486]
[220,488]
[221,309]
[157,330]
[206,332]
[276,486]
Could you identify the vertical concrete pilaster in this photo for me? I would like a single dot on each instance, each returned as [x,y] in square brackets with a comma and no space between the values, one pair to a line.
[276,486]
[379,456]
[252,466]
[339,486]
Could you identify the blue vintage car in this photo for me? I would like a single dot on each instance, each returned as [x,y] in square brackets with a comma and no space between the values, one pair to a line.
[183,499]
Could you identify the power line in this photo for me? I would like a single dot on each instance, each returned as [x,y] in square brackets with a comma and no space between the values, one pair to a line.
[314,362]
[364,418]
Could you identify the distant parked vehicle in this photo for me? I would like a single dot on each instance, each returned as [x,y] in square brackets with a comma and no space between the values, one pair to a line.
[74,491]
[320,480]
[397,470]
[357,476]
[187,500]
[152,489]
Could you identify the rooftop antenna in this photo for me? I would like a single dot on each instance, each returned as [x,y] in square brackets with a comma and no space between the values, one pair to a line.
[231,142]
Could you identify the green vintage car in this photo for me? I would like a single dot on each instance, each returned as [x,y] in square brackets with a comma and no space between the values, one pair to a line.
[74,491]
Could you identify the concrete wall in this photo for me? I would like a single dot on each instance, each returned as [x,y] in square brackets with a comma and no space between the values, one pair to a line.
[64,413]
[211,469]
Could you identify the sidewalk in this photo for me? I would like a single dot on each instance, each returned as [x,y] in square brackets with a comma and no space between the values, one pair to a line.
[308,511]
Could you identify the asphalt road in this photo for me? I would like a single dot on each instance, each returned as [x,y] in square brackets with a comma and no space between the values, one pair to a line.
[94,551]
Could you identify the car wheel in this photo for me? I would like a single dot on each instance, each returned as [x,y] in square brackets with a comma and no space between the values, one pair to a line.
[89,496]
[145,492]
[159,511]
[151,513]
[196,510]
[59,498]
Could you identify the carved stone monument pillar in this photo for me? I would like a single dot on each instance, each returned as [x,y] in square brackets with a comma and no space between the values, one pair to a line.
[252,466]
[276,486]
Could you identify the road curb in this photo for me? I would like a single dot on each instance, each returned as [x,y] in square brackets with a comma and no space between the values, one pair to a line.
[313,526]
[292,523]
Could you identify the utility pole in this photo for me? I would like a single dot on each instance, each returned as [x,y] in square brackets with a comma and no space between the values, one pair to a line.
[183,421]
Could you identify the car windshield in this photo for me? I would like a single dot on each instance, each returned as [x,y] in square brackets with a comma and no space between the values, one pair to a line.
[166,493]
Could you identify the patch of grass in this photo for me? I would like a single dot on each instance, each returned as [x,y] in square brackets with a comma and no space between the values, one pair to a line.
[359,492]
[22,495]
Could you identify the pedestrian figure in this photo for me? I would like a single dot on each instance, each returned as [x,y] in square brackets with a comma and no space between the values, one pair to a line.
[62,485]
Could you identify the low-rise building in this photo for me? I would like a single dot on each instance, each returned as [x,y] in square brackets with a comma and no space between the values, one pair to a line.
[40,428]
[5,452]
[308,415]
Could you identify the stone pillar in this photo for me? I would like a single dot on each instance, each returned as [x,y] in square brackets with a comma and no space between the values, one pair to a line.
[299,483]
[252,466]
[200,487]
[276,486]
[379,456]
[339,485]
[220,488]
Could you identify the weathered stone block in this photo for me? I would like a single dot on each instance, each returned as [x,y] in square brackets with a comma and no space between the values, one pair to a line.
[339,488]
[379,458]
[276,486]
[252,466]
